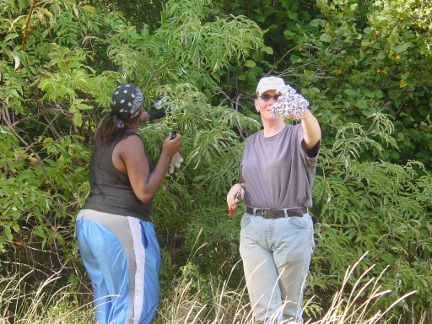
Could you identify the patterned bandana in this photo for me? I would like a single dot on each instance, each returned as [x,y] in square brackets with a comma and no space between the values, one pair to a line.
[127,100]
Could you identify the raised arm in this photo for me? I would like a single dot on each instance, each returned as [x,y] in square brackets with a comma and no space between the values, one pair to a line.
[132,160]
[311,128]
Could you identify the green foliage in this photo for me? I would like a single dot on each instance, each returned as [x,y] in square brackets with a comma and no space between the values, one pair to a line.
[185,47]
[372,206]
[36,195]
[373,58]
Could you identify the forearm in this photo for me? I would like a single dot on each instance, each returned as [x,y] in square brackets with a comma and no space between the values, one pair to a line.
[311,129]
[155,178]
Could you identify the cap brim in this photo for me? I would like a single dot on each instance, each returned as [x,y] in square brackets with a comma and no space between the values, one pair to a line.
[266,88]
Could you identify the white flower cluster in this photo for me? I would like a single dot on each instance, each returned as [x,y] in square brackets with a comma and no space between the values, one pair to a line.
[290,103]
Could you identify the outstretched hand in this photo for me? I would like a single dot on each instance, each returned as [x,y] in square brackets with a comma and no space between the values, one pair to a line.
[157,110]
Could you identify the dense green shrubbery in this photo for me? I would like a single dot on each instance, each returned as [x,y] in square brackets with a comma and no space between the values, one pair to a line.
[368,82]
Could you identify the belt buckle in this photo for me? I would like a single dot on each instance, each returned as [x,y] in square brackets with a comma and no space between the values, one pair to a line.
[265,212]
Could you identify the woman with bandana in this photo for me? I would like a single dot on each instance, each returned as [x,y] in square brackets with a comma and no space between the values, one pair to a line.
[116,237]
[276,174]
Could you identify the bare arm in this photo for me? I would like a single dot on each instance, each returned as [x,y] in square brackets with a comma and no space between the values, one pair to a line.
[311,128]
[129,156]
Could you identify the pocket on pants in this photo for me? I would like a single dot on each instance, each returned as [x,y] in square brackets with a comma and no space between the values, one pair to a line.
[302,222]
[299,229]
[246,219]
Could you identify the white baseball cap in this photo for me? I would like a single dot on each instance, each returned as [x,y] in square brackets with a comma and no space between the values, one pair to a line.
[269,83]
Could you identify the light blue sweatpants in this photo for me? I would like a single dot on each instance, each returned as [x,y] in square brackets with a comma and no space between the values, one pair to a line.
[122,258]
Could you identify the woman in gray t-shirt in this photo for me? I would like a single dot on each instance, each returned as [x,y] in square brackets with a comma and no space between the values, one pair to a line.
[276,239]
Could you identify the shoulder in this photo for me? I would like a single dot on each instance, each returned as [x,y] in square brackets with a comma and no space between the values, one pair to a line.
[131,134]
[293,127]
[254,136]
[131,142]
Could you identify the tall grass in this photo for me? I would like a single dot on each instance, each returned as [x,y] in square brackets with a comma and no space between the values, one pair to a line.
[219,305]
[192,301]
[24,301]
[353,307]
[231,306]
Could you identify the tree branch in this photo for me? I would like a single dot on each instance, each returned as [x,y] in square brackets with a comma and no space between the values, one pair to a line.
[25,30]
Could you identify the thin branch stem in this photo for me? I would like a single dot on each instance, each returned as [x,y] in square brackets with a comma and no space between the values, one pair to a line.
[25,30]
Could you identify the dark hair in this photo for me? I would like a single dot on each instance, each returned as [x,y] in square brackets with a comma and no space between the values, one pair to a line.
[111,126]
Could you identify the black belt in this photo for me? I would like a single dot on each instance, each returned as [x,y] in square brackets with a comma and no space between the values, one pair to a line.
[276,213]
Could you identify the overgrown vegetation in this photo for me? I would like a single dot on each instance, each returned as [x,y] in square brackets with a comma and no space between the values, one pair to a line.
[198,299]
[366,70]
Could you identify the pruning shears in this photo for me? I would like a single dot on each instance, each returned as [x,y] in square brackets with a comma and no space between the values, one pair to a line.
[231,210]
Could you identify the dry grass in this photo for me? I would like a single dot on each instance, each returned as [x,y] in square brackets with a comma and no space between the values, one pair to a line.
[228,306]
[210,303]
[44,305]
[356,308]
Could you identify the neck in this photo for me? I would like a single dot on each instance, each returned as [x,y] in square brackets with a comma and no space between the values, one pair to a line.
[132,126]
[272,128]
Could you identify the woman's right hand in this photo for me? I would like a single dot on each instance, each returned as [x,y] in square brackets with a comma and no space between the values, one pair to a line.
[236,192]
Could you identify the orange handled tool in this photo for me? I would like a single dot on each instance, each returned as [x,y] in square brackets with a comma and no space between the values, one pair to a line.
[231,210]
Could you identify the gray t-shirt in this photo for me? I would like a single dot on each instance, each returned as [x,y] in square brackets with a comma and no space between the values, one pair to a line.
[277,170]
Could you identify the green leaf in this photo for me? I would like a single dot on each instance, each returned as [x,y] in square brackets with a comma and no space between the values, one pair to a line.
[309,73]
[8,233]
[77,119]
[326,38]
[401,48]
[315,22]
[389,258]
[39,231]
[250,63]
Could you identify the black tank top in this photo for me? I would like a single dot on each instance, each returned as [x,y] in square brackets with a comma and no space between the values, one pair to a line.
[111,191]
